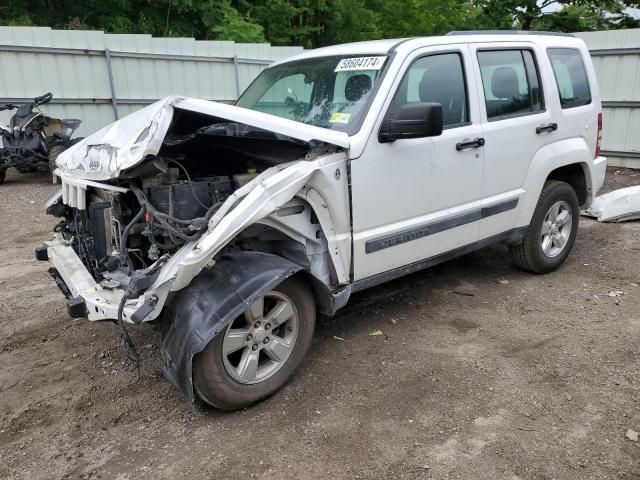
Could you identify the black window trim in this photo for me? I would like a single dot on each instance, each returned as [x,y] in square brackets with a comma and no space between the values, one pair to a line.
[460,54]
[555,77]
[537,66]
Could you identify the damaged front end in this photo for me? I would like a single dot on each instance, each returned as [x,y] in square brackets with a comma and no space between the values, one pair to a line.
[150,201]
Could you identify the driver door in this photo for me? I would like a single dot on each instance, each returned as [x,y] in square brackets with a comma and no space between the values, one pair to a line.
[417,199]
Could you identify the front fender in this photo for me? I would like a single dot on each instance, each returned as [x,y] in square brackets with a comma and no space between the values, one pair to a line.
[214,298]
[247,206]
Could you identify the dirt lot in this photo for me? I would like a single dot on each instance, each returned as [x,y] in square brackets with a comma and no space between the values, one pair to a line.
[482,372]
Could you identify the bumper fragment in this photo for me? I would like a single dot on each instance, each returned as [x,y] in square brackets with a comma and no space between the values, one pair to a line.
[87,298]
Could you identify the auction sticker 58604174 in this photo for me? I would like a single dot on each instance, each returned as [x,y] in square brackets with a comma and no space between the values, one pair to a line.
[360,63]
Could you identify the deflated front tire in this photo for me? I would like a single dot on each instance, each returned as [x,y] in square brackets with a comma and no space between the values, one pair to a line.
[257,352]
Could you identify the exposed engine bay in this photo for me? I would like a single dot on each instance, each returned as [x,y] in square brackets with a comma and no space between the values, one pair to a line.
[171,196]
[128,229]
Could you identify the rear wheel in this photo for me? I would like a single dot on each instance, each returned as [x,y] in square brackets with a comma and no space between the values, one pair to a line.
[258,352]
[3,174]
[552,232]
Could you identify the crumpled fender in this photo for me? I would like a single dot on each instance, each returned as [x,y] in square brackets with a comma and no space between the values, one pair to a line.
[214,298]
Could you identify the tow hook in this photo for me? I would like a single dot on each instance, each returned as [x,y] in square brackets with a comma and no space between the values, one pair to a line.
[76,307]
[41,253]
[146,308]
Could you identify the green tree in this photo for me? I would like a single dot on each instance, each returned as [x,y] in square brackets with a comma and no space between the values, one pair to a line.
[556,15]
[233,26]
[314,23]
[410,18]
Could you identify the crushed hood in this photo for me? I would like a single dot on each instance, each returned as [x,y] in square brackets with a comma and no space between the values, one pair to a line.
[126,142]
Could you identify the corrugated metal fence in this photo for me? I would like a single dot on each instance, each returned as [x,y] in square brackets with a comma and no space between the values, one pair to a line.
[616,57]
[98,77]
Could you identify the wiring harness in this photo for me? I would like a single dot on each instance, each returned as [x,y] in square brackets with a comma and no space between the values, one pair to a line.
[177,230]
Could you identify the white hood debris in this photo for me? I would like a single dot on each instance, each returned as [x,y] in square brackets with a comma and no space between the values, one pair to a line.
[126,142]
[617,206]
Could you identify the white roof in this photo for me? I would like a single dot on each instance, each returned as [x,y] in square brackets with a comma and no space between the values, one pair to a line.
[382,47]
[373,47]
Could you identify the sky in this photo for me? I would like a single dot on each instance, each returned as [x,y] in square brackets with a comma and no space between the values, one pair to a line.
[634,12]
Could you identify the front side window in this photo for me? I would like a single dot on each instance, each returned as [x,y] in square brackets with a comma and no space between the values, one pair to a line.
[436,78]
[330,92]
[571,77]
[511,83]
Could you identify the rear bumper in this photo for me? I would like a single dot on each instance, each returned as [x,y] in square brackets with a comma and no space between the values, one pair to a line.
[599,171]
[84,294]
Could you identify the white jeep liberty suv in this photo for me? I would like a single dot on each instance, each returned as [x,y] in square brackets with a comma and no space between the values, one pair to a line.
[232,226]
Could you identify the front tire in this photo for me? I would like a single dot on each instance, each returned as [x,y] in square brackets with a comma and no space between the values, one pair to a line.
[259,351]
[3,174]
[53,155]
[552,232]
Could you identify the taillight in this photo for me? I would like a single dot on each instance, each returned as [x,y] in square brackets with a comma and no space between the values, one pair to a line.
[599,135]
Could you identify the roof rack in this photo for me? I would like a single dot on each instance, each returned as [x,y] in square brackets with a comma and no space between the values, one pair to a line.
[509,32]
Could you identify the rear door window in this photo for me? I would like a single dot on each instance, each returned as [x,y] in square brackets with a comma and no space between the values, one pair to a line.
[571,77]
[511,83]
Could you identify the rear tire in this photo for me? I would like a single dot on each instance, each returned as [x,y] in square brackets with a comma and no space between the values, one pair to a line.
[3,174]
[275,333]
[552,232]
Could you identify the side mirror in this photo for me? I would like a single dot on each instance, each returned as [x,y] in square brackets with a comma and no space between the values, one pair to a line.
[413,120]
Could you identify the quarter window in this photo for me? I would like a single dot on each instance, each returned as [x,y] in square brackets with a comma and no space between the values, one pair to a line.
[511,83]
[440,79]
[571,77]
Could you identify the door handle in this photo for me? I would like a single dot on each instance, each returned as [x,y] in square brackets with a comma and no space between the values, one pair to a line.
[550,127]
[475,143]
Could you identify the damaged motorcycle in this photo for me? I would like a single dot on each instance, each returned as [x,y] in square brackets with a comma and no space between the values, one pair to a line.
[32,141]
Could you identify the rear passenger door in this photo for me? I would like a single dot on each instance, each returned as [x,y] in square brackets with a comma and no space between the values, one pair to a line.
[516,124]
[578,116]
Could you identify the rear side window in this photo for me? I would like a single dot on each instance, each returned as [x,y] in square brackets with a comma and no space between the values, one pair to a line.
[511,83]
[436,78]
[571,77]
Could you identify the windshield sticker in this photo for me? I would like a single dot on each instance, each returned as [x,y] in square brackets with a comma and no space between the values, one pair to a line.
[339,117]
[360,63]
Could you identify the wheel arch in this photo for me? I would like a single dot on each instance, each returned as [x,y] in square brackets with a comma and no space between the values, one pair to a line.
[216,296]
[575,174]
[568,161]
[317,268]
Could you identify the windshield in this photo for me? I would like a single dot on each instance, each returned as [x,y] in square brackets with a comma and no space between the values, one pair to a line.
[328,92]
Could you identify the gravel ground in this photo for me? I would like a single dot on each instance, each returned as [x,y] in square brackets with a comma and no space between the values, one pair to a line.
[482,371]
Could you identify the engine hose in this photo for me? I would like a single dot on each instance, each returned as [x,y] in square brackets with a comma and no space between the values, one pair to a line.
[125,236]
[125,339]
